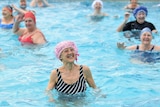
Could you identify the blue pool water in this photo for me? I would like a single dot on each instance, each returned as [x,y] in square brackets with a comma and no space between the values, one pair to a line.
[24,72]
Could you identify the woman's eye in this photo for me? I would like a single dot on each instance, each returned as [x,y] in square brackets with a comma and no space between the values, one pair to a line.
[66,51]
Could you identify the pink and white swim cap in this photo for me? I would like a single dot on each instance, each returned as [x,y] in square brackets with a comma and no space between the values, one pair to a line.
[63,45]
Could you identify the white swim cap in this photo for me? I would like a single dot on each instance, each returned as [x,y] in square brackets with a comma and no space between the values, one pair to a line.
[95,1]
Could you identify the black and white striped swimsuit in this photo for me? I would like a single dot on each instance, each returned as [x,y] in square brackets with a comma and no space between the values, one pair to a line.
[77,87]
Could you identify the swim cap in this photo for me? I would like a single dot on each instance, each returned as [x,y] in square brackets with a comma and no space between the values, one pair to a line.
[146,29]
[140,9]
[63,45]
[9,8]
[30,15]
[95,1]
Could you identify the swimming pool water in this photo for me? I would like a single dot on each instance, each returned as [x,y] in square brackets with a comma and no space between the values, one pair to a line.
[24,72]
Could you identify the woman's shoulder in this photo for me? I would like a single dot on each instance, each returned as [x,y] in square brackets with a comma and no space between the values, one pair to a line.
[156,48]
[85,67]
[54,72]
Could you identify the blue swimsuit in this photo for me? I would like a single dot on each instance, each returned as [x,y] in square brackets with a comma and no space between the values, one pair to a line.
[6,26]
[145,56]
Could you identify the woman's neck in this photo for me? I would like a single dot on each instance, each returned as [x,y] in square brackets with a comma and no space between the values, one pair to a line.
[32,30]
[69,66]
[146,47]
[8,19]
[97,12]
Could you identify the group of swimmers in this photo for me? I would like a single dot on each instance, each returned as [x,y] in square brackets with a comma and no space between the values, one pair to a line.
[71,78]
[30,34]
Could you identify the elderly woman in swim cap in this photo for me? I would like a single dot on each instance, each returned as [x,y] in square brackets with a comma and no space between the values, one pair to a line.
[31,34]
[70,78]
[97,15]
[97,5]
[146,39]
[140,14]
[7,20]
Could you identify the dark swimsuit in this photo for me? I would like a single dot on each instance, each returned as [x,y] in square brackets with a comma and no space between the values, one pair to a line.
[145,56]
[137,48]
[70,89]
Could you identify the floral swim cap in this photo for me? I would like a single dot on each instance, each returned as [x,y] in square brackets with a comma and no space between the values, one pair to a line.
[140,9]
[63,45]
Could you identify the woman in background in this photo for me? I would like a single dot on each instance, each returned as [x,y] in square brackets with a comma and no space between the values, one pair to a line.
[97,14]
[39,3]
[7,21]
[146,51]
[31,34]
[133,4]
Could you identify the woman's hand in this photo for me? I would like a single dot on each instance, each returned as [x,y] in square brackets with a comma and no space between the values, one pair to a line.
[126,16]
[20,18]
[121,45]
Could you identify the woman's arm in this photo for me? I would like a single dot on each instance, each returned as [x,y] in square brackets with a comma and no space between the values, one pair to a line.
[38,38]
[120,28]
[16,28]
[19,9]
[51,85]
[89,77]
[122,46]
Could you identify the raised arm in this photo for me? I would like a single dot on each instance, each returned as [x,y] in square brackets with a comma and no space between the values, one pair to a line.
[16,29]
[19,9]
[120,28]
[89,77]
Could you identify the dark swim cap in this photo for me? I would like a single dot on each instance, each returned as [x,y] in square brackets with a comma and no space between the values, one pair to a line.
[140,9]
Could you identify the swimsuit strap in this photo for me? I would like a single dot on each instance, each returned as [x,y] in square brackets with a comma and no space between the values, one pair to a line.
[137,47]
[152,48]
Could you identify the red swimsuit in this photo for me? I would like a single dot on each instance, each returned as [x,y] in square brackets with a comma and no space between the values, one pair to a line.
[26,40]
